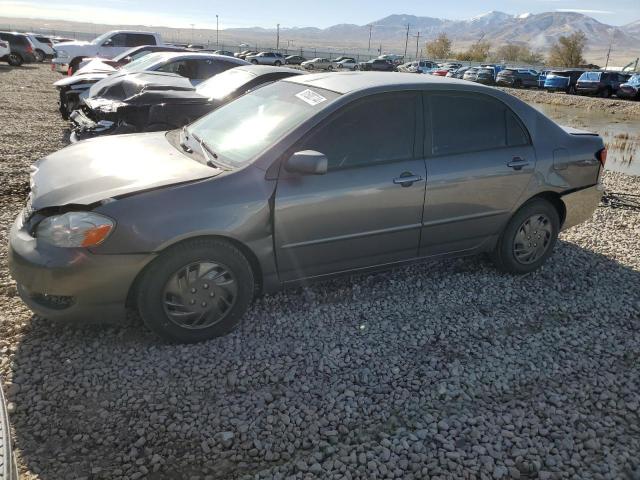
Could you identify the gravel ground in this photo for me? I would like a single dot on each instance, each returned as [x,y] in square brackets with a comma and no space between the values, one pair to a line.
[625,108]
[442,370]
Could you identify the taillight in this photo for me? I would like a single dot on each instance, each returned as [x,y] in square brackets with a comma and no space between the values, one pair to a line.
[29,49]
[602,156]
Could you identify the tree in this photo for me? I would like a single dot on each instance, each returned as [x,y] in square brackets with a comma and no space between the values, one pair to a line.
[440,47]
[517,53]
[478,52]
[567,51]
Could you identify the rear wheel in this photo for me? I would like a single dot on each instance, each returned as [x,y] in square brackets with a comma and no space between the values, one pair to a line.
[528,239]
[15,60]
[196,291]
[606,93]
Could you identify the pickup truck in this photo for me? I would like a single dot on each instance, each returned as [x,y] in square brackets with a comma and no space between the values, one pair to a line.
[68,55]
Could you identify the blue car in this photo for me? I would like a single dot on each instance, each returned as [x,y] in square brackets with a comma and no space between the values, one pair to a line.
[562,80]
[542,77]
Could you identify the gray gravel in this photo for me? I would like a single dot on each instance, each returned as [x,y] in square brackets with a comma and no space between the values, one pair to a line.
[442,370]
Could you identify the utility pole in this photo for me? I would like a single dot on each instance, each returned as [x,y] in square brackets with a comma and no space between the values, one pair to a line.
[406,42]
[370,31]
[217,33]
[608,54]
[278,38]
[417,44]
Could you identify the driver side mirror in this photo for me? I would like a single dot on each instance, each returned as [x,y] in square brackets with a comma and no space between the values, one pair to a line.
[307,162]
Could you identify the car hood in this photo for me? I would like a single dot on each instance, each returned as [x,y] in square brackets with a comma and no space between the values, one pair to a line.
[123,85]
[107,167]
[77,78]
[96,65]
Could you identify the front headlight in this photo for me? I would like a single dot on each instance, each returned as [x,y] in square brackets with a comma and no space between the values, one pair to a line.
[74,229]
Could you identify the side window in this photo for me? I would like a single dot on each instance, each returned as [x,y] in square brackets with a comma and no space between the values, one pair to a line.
[516,134]
[464,123]
[376,129]
[117,40]
[184,68]
[209,68]
[140,39]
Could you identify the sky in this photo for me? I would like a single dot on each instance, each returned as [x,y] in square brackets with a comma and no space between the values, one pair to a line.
[297,13]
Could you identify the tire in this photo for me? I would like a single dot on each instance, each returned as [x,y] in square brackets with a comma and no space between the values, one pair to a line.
[510,254]
[278,63]
[14,59]
[168,314]
[518,84]
[606,93]
[356,67]
[254,61]
[309,67]
[330,67]
[40,56]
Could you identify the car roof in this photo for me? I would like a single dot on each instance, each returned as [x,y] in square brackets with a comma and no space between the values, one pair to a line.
[189,54]
[347,82]
[266,69]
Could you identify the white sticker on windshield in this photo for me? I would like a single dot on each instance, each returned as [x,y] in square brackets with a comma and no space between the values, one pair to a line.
[311,97]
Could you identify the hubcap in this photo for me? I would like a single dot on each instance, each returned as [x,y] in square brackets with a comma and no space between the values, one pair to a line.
[532,239]
[200,294]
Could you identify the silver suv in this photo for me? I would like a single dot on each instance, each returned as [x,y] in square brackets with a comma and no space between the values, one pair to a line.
[266,58]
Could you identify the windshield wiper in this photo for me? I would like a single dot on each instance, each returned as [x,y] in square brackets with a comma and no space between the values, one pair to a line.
[184,134]
[208,152]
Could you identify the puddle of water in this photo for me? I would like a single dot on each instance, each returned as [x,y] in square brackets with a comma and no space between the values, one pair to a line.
[621,135]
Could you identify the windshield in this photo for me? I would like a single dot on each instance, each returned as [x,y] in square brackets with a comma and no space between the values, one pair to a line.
[125,54]
[101,38]
[591,76]
[558,74]
[634,80]
[488,71]
[143,63]
[242,129]
[221,85]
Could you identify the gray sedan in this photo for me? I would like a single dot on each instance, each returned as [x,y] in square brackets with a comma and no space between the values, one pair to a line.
[302,179]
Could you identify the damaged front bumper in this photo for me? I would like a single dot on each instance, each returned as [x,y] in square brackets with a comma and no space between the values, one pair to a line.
[85,127]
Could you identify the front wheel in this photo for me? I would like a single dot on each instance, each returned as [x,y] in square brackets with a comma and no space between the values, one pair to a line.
[278,63]
[255,62]
[330,67]
[196,291]
[39,54]
[528,239]
[15,60]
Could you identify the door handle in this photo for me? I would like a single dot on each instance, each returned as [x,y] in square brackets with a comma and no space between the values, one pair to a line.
[517,163]
[407,179]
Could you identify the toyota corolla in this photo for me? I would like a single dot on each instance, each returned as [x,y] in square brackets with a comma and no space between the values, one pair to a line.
[303,179]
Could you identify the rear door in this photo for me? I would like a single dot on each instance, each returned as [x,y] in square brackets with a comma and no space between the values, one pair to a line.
[479,161]
[366,210]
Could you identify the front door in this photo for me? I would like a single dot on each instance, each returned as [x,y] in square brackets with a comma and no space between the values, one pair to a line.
[366,210]
[479,162]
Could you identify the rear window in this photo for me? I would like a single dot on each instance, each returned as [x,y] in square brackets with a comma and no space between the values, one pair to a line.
[43,39]
[590,76]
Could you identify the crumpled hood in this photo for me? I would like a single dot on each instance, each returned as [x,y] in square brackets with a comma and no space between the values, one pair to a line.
[106,167]
[122,85]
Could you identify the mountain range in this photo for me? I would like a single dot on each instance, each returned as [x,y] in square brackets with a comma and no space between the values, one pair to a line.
[539,31]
